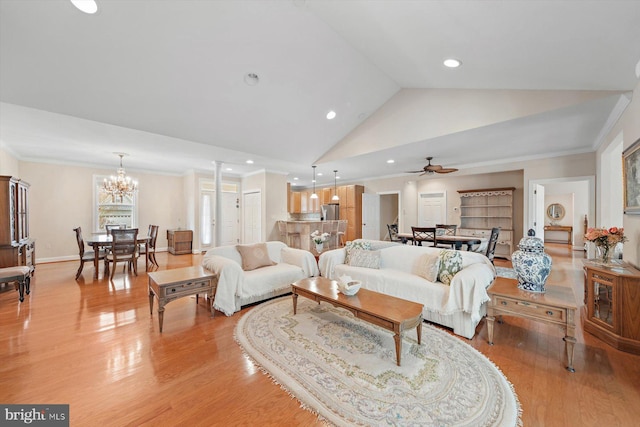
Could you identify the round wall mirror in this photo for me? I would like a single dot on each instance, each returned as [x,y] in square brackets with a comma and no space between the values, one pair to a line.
[555,212]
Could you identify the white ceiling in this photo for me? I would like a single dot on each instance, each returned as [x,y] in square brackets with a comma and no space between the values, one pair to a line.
[163,80]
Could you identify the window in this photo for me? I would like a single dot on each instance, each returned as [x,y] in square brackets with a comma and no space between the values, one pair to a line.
[110,210]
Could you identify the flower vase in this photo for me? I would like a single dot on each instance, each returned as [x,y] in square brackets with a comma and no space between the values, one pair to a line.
[319,247]
[603,254]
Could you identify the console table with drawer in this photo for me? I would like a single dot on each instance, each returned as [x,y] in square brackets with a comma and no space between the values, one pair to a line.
[169,285]
[557,306]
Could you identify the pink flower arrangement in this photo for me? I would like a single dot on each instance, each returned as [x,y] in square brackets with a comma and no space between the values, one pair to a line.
[607,237]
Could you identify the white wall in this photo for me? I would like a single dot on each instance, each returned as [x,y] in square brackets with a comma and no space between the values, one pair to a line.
[61,199]
[629,127]
[9,165]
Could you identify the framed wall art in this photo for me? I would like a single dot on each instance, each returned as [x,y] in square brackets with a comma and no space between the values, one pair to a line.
[631,178]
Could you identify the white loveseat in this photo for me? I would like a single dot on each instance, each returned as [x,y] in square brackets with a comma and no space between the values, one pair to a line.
[459,306]
[237,287]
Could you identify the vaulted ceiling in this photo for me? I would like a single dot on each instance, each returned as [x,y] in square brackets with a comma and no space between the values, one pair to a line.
[164,81]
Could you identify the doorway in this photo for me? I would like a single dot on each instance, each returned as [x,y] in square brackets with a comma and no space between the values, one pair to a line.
[252,217]
[583,191]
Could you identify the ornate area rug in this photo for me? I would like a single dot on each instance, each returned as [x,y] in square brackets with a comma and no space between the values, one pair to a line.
[506,272]
[344,369]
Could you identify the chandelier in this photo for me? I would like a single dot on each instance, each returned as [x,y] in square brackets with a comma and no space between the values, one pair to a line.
[121,185]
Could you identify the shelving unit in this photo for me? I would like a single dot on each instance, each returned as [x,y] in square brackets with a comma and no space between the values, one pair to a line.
[483,209]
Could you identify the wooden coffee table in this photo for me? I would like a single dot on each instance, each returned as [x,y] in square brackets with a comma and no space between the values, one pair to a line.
[169,285]
[391,313]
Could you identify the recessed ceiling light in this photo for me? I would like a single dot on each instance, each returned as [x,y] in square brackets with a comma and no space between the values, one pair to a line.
[452,63]
[249,162]
[391,161]
[229,169]
[331,115]
[295,178]
[87,6]
[251,79]
[319,173]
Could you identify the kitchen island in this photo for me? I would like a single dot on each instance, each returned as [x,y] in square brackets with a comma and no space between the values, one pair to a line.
[297,234]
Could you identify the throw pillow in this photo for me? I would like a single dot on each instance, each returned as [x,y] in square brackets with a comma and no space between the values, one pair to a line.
[254,256]
[429,267]
[364,258]
[450,264]
[350,246]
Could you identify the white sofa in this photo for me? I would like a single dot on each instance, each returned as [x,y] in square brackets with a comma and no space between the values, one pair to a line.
[459,306]
[237,287]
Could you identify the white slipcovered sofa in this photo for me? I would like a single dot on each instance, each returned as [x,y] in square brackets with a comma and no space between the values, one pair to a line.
[459,305]
[237,287]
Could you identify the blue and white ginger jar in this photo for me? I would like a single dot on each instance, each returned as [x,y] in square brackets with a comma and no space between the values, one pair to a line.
[531,264]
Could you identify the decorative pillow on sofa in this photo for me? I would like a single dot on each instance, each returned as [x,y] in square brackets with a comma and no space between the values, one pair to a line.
[450,264]
[429,267]
[350,246]
[254,256]
[364,258]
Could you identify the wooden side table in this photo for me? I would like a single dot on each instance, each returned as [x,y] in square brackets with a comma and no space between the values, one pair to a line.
[557,306]
[566,228]
[169,285]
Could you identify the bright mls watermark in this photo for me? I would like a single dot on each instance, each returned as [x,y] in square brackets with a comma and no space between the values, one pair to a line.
[37,415]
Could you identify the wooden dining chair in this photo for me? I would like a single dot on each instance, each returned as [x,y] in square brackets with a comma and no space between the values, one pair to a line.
[124,248]
[393,233]
[446,230]
[109,227]
[148,249]
[424,234]
[491,245]
[85,256]
[342,232]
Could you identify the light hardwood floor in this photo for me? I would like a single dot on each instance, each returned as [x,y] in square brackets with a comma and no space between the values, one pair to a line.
[93,345]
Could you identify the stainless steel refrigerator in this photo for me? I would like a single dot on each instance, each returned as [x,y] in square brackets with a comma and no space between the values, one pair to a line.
[331,212]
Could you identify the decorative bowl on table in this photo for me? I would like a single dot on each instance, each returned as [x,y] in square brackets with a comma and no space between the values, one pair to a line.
[348,286]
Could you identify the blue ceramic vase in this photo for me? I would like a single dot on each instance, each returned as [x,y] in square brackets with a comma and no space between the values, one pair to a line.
[531,264]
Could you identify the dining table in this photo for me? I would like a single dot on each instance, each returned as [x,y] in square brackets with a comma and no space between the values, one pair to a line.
[100,240]
[455,241]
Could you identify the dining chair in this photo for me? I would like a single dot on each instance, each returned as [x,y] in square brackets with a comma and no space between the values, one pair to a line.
[423,234]
[331,228]
[85,256]
[491,245]
[124,248]
[393,233]
[109,227]
[293,235]
[446,230]
[342,231]
[148,249]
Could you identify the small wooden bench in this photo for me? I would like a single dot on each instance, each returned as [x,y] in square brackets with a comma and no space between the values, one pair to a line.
[20,275]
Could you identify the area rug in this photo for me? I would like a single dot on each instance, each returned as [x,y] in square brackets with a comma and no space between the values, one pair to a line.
[506,272]
[344,369]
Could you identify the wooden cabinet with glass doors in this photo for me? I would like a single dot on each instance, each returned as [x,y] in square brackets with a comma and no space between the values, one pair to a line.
[612,305]
[16,246]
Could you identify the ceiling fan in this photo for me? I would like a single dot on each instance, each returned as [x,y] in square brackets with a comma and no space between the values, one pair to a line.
[430,169]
